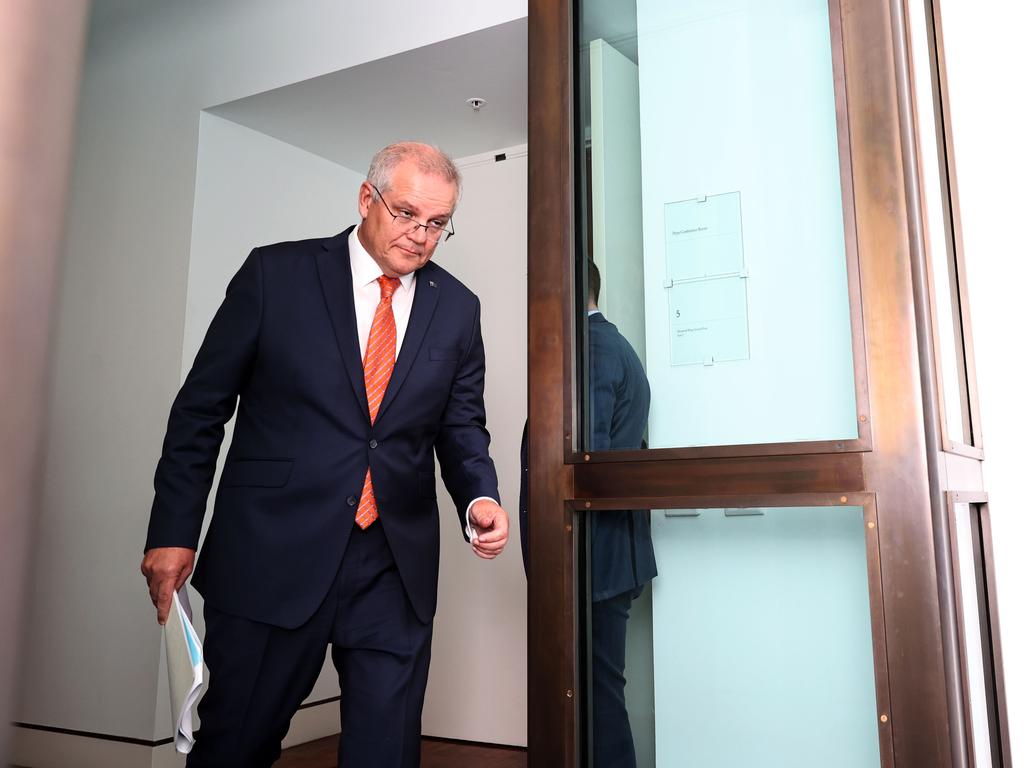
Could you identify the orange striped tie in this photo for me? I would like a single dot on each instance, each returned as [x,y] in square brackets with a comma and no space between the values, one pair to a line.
[377,367]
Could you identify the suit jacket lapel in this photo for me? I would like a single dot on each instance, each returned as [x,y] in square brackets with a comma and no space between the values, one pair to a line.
[335,273]
[423,306]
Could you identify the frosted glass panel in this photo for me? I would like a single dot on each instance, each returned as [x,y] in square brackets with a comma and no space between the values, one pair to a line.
[938,233]
[752,646]
[724,111]
[978,695]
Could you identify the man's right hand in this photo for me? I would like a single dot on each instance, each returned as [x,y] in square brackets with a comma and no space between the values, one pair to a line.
[166,569]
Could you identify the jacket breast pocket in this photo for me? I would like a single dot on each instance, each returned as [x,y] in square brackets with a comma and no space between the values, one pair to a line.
[257,473]
[445,353]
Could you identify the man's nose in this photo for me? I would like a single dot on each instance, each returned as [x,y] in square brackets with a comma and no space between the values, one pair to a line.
[419,235]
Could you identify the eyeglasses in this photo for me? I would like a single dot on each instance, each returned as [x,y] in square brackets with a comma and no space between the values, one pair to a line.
[407,224]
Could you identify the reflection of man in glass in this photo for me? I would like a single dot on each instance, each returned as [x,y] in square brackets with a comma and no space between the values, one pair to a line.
[621,552]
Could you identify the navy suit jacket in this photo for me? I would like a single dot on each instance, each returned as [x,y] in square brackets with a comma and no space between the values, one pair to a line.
[621,550]
[284,346]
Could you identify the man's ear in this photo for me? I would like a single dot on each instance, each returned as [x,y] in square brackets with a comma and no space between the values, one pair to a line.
[365,198]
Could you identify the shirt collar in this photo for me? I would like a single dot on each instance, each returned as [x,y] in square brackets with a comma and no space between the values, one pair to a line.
[365,269]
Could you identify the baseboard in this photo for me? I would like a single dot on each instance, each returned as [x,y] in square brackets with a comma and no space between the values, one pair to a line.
[472,743]
[33,747]
[314,721]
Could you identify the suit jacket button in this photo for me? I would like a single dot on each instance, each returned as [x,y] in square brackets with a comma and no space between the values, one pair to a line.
[373,443]
[351,500]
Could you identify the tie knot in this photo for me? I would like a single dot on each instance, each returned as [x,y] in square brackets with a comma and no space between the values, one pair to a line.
[388,285]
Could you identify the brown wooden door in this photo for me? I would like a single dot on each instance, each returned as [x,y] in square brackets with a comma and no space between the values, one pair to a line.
[893,469]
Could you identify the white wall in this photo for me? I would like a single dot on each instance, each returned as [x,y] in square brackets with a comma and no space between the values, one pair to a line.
[252,189]
[477,687]
[618,211]
[93,646]
[984,71]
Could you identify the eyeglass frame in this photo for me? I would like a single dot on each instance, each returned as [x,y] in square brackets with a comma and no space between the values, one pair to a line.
[449,233]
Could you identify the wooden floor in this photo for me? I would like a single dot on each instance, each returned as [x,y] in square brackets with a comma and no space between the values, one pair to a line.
[436,754]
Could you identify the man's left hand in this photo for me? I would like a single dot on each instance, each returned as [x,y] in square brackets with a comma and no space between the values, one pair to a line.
[491,524]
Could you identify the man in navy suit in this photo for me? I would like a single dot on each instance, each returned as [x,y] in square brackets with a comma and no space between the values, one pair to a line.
[325,528]
[621,550]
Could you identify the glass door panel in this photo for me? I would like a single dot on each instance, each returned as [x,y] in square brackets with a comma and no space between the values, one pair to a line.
[710,201]
[752,645]
[974,615]
[938,222]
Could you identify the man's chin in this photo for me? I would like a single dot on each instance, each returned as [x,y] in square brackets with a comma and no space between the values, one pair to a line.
[410,262]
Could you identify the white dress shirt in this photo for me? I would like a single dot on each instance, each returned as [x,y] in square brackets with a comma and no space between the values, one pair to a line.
[366,295]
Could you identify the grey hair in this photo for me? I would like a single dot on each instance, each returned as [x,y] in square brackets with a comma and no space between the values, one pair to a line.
[428,158]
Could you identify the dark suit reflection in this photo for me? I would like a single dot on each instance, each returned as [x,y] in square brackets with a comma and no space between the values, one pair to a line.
[621,550]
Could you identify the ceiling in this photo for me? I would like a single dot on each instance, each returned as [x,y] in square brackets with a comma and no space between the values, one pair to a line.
[613,21]
[421,94]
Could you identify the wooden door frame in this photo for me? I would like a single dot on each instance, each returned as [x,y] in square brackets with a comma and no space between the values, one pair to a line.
[552,668]
[893,465]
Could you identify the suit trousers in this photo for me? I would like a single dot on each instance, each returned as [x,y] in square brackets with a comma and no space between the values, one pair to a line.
[612,742]
[260,674]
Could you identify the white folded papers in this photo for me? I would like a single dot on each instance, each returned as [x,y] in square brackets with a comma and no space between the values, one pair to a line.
[184,669]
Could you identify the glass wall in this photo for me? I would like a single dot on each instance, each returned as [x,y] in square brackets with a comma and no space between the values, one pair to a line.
[710,201]
[975,635]
[751,647]
[935,162]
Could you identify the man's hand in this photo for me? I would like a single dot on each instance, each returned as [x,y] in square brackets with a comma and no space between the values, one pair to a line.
[166,569]
[491,524]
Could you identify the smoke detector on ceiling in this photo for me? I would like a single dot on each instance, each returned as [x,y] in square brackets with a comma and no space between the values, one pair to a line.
[476,103]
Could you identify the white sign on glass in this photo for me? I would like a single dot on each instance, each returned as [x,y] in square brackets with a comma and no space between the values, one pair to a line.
[709,321]
[704,237]
[706,280]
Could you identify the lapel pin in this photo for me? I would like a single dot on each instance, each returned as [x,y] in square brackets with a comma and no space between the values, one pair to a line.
[432,284]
